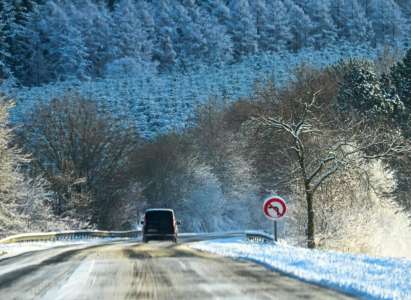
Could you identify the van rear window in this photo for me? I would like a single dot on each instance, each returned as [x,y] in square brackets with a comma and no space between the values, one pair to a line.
[159,221]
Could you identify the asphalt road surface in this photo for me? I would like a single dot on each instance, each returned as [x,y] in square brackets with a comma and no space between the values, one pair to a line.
[132,270]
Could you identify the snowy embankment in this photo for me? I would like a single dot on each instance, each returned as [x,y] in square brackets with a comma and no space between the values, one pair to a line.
[360,275]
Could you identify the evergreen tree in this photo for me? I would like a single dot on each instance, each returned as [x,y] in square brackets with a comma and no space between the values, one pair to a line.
[47,47]
[299,25]
[242,28]
[351,22]
[401,77]
[271,20]
[219,47]
[164,49]
[66,55]
[29,49]
[219,41]
[281,35]
[95,24]
[144,11]
[214,43]
[130,38]
[323,31]
[164,53]
[259,9]
[362,91]
[6,21]
[163,17]
[218,9]
[188,40]
[387,21]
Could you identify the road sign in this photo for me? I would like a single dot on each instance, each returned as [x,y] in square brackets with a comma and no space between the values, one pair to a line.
[274,208]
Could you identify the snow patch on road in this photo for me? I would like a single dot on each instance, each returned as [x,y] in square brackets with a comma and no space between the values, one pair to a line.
[360,275]
[76,284]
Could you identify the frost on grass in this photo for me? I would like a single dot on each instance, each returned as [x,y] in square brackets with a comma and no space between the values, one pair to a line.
[360,275]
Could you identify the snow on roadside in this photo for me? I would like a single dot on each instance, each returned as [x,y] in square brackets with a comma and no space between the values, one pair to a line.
[360,275]
[8,250]
[12,249]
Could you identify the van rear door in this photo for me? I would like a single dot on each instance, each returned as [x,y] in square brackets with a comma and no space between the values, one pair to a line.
[159,222]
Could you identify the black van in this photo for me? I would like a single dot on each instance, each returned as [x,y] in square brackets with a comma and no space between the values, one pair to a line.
[159,224]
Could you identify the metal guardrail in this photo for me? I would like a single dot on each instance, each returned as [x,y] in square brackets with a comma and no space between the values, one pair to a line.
[259,237]
[69,235]
[254,236]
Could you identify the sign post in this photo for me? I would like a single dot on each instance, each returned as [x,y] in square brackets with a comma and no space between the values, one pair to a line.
[274,208]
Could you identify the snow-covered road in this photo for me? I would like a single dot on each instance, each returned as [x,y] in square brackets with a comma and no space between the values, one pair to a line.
[129,269]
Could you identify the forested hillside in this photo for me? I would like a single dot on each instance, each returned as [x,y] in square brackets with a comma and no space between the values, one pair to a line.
[205,107]
[45,41]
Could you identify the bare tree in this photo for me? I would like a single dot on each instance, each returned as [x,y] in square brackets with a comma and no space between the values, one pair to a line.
[83,151]
[321,147]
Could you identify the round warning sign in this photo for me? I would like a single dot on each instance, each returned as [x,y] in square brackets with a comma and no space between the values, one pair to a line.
[274,208]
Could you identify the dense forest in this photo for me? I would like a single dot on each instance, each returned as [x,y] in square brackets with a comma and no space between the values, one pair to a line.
[44,41]
[110,107]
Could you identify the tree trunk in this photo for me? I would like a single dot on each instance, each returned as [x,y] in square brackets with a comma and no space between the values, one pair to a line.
[310,220]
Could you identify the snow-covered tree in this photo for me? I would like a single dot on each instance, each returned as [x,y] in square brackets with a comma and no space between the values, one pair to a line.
[219,48]
[271,20]
[46,46]
[188,39]
[12,15]
[323,31]
[362,91]
[29,55]
[145,14]
[164,49]
[216,46]
[6,12]
[242,28]
[25,203]
[130,67]
[219,9]
[95,24]
[351,21]
[401,77]
[10,157]
[387,20]
[66,55]
[129,36]
[299,25]
[164,53]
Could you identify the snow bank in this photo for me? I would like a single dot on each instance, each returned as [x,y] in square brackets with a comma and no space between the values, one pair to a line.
[359,275]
